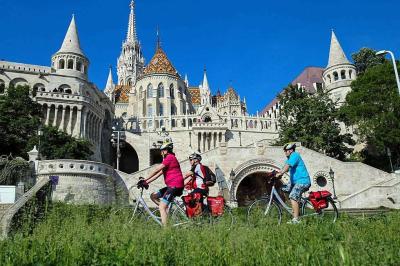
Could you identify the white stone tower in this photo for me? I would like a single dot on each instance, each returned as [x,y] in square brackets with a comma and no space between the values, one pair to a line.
[339,72]
[205,92]
[70,59]
[131,61]
[110,87]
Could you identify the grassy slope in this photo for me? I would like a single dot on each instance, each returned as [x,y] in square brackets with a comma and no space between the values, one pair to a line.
[87,235]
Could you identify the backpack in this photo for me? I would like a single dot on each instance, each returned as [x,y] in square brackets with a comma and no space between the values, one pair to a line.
[210,178]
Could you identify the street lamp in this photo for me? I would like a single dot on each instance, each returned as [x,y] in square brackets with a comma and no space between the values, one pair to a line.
[332,176]
[389,154]
[40,133]
[117,140]
[384,52]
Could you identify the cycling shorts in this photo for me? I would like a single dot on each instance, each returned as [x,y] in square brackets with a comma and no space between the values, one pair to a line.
[167,194]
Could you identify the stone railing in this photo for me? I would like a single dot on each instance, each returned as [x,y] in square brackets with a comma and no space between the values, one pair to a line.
[24,67]
[5,222]
[52,167]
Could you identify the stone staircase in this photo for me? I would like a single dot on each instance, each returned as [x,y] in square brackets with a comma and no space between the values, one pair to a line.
[9,212]
[382,194]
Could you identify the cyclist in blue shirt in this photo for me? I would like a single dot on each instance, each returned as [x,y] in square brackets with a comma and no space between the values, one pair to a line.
[300,180]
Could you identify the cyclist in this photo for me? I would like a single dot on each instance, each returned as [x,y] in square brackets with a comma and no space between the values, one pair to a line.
[173,178]
[197,175]
[300,180]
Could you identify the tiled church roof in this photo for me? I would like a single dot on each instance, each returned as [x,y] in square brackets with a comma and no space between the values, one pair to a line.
[121,93]
[195,95]
[160,64]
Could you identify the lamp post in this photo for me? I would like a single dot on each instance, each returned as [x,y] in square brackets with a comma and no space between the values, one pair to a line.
[332,176]
[384,52]
[40,133]
[117,140]
[389,154]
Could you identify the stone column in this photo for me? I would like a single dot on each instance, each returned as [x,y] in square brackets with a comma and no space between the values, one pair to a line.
[78,123]
[84,124]
[48,115]
[62,119]
[55,116]
[69,126]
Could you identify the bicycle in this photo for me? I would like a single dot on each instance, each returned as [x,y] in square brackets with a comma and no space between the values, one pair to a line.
[268,209]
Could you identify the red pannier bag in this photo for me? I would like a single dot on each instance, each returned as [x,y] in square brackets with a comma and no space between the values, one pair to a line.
[193,205]
[319,199]
[216,205]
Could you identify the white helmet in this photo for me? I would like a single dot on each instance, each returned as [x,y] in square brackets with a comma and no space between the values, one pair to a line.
[167,145]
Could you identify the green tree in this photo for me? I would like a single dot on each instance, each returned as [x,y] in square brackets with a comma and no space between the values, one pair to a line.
[366,58]
[373,106]
[19,120]
[55,144]
[311,120]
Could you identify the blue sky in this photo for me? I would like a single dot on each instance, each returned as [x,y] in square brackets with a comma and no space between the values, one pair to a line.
[257,46]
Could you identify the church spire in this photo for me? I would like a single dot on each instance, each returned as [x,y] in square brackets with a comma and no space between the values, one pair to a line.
[110,82]
[336,54]
[71,42]
[131,35]
[205,80]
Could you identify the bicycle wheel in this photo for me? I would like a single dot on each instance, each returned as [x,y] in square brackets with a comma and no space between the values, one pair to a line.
[177,216]
[226,219]
[258,216]
[331,213]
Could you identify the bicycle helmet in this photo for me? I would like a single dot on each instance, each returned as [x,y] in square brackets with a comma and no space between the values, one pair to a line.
[167,145]
[289,146]
[195,156]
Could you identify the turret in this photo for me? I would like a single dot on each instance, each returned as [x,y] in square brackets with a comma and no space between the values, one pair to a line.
[339,72]
[70,59]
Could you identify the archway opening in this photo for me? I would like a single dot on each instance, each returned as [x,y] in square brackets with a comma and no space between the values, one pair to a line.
[253,187]
[155,156]
[129,161]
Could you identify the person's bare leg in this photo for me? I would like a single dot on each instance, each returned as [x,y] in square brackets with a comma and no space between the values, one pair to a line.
[154,198]
[163,212]
[295,208]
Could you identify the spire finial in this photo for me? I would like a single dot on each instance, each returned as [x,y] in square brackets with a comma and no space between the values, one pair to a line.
[132,5]
[158,38]
[131,35]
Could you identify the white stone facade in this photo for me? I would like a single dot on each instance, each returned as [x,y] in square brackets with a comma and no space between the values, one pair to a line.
[69,100]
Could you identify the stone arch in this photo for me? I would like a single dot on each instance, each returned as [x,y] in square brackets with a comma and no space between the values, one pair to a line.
[251,174]
[206,118]
[129,162]
[149,91]
[18,82]
[335,76]
[160,90]
[38,87]
[2,86]
[61,64]
[70,64]
[64,88]
[343,74]
[79,65]
[350,74]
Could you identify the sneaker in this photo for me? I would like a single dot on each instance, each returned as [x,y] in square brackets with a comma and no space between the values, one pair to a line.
[294,221]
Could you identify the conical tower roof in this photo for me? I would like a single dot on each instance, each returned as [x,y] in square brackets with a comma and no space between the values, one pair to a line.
[205,81]
[110,82]
[160,64]
[131,35]
[336,54]
[71,42]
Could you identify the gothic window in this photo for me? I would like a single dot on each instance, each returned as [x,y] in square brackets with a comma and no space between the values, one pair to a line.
[234,113]
[149,110]
[85,68]
[180,92]
[129,83]
[160,90]
[190,122]
[183,123]
[173,109]
[149,91]
[350,74]
[79,66]
[335,76]
[141,92]
[172,91]
[161,109]
[173,123]
[343,74]
[70,64]
[161,123]
[61,64]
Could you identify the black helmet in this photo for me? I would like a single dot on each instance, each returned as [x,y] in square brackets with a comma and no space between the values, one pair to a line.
[289,146]
[195,156]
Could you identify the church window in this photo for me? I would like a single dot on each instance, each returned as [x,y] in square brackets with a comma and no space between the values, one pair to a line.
[129,82]
[350,74]
[161,109]
[172,91]
[61,64]
[161,123]
[160,90]
[79,66]
[149,91]
[173,124]
[335,76]
[184,122]
[190,122]
[70,64]
[173,109]
[318,86]
[343,74]
[149,110]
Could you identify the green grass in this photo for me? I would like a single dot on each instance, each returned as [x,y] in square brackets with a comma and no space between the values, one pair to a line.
[90,235]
